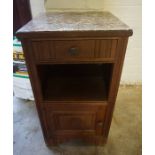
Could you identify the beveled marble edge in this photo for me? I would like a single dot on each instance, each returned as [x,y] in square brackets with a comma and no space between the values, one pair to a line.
[74,21]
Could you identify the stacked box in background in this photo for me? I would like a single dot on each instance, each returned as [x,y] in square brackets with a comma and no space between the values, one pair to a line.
[21,83]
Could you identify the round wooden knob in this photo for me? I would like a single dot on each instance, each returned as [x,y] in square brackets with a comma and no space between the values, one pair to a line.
[73,51]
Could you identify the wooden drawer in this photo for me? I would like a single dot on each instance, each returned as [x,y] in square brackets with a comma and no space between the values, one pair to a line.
[106,48]
[62,50]
[74,49]
[62,119]
[43,50]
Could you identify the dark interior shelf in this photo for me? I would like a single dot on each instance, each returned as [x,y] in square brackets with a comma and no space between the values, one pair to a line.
[84,82]
[75,88]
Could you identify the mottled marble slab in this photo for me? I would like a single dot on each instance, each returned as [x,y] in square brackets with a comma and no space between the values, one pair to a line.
[74,21]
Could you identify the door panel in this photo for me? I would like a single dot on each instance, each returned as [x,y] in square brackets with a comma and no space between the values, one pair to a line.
[74,120]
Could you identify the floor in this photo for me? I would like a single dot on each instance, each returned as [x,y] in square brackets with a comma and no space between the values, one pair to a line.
[124,137]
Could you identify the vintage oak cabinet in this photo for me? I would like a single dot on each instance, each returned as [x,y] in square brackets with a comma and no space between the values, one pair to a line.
[74,62]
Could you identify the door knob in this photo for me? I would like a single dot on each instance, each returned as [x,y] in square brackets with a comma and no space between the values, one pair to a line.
[100,124]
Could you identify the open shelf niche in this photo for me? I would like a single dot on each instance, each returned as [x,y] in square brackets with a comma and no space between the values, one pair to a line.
[75,82]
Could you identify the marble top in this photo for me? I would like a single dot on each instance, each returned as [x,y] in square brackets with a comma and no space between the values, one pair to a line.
[74,21]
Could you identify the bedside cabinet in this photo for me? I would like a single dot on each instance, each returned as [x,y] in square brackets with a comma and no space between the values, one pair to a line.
[74,62]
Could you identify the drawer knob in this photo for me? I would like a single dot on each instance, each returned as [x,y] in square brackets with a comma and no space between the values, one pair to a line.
[73,51]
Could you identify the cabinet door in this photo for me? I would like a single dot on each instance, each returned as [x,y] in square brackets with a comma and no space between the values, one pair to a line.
[75,120]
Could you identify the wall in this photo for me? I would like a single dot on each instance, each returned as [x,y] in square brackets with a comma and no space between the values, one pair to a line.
[74,5]
[37,6]
[128,11]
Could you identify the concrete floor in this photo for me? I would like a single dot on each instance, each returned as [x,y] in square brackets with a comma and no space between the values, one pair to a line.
[124,137]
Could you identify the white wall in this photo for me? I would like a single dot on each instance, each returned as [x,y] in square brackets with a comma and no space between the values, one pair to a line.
[74,4]
[128,11]
[37,6]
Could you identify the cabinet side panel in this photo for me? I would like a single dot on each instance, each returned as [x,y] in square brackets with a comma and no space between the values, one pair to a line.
[116,75]
[26,44]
